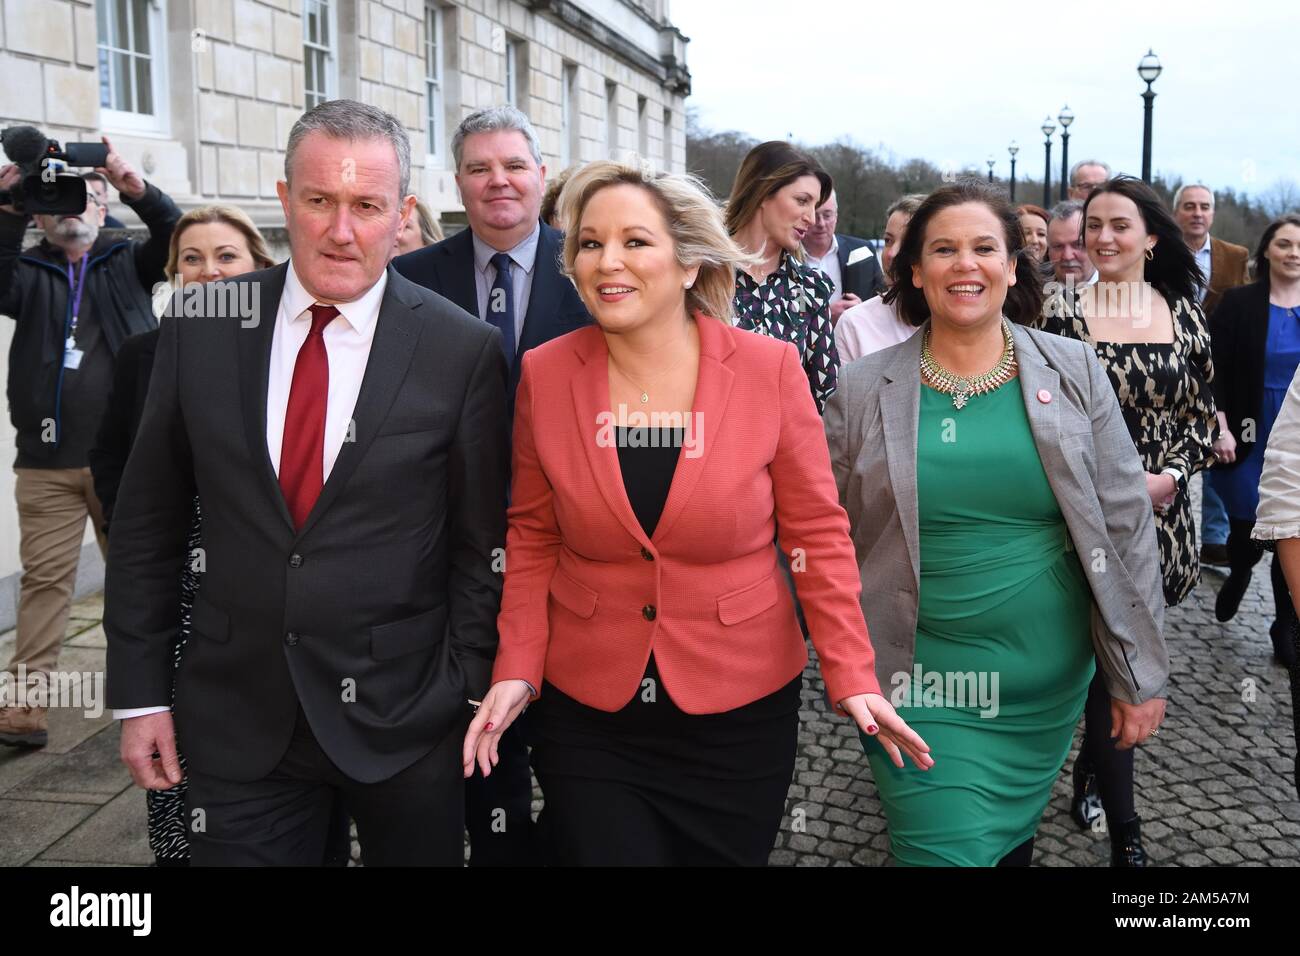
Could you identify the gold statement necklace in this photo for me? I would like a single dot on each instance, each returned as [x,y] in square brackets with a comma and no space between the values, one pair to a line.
[961,388]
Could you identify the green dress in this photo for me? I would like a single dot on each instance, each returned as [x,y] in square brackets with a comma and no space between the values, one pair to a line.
[1003,656]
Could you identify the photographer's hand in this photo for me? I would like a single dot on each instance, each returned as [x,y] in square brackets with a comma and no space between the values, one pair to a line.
[121,174]
[10,177]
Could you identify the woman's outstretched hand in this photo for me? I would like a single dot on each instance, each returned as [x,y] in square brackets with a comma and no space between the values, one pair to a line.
[877,718]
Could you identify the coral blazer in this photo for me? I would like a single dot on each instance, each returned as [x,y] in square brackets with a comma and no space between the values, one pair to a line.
[588,596]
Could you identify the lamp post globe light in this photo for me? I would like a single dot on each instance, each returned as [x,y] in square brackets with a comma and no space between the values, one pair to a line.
[1012,150]
[1048,129]
[990,161]
[1148,69]
[1065,118]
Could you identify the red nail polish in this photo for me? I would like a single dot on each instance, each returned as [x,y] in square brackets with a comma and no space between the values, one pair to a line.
[872,729]
[489,725]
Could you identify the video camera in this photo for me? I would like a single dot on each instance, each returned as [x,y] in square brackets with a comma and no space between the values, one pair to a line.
[43,188]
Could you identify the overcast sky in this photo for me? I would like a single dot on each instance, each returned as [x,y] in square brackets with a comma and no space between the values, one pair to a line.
[953,82]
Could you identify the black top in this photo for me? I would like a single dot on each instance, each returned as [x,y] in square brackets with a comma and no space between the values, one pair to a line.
[648,459]
[1239,331]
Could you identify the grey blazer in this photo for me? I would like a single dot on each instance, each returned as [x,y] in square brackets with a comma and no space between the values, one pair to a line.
[1091,465]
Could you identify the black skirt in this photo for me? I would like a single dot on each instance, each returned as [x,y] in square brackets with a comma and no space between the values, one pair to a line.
[651,785]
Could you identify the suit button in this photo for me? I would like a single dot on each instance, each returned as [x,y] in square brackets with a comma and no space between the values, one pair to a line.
[645,553]
[648,612]
[291,638]
[295,560]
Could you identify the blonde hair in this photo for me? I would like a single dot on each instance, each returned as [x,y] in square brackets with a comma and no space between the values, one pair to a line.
[430,228]
[694,221]
[229,215]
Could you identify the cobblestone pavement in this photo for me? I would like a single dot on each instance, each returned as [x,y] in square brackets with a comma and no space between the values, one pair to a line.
[1214,789]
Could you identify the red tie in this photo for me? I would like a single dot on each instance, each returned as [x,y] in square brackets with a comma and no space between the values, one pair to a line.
[302,452]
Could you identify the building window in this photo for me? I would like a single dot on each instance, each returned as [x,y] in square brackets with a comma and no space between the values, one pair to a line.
[569,115]
[643,127]
[132,61]
[433,83]
[668,139]
[611,118]
[512,72]
[318,60]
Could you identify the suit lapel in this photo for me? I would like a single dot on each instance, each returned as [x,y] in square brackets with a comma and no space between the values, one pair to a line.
[1036,377]
[900,410]
[397,332]
[712,391]
[254,346]
[590,388]
[455,267]
[1218,265]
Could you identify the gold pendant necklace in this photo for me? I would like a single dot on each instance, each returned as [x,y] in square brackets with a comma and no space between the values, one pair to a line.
[963,388]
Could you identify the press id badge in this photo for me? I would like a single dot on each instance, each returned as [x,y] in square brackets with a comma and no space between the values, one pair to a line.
[72,355]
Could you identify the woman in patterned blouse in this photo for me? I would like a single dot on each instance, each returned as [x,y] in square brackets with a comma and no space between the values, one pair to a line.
[773,203]
[1152,338]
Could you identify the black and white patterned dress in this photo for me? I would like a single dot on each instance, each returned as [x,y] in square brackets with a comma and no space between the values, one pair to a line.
[168,835]
[1164,394]
[793,303]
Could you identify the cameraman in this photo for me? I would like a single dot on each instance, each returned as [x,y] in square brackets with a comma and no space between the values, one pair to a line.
[75,298]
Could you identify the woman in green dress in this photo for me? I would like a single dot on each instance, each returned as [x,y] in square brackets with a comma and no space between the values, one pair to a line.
[1004,536]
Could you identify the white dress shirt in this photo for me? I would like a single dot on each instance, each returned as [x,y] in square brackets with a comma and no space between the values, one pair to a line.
[829,264]
[347,344]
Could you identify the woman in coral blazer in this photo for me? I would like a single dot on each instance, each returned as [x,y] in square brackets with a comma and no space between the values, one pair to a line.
[657,454]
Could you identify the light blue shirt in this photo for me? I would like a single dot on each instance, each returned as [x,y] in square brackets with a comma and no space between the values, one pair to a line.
[523,257]
[1203,261]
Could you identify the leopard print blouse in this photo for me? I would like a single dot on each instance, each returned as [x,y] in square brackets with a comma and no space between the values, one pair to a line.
[1164,394]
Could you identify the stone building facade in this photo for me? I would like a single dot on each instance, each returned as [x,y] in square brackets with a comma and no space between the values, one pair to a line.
[200,95]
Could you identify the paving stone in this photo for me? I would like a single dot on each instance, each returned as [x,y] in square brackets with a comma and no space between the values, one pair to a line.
[112,834]
[30,826]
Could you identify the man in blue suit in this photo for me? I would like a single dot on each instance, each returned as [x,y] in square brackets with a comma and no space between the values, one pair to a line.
[505,270]
[505,267]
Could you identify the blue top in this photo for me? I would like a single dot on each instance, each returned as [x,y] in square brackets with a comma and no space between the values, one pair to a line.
[1239,487]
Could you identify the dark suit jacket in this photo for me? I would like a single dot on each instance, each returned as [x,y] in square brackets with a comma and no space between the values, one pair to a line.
[1239,338]
[1227,271]
[378,616]
[864,278]
[554,307]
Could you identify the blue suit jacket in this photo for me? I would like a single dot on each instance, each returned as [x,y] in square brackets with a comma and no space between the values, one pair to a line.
[554,307]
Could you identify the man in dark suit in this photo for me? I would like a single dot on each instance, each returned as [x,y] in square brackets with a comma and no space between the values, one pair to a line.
[345,432]
[504,269]
[849,261]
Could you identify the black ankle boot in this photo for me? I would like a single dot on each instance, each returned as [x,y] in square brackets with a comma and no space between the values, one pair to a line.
[1085,807]
[1126,848]
[1231,593]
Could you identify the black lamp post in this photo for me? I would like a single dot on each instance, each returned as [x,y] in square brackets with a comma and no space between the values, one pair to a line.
[1065,119]
[1013,149]
[990,161]
[1048,129]
[1148,68]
